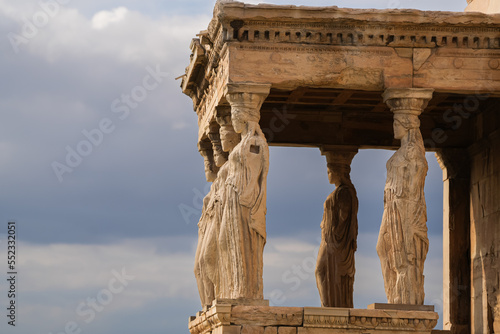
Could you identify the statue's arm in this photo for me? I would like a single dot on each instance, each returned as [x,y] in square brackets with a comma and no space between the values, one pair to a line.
[344,204]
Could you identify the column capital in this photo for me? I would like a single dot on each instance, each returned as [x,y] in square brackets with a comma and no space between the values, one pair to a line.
[247,97]
[248,87]
[337,154]
[407,100]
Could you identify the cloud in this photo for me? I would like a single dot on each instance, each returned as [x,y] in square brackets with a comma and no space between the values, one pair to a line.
[124,35]
[57,278]
[120,207]
[104,18]
[63,82]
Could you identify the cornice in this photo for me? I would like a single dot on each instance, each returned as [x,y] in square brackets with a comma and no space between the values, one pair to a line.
[234,10]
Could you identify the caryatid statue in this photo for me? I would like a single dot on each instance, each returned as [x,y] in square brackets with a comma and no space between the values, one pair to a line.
[243,230]
[403,244]
[205,288]
[220,156]
[207,255]
[335,266]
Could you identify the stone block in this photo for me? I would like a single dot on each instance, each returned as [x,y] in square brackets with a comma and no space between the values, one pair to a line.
[326,311]
[420,56]
[241,301]
[252,330]
[271,330]
[325,316]
[267,316]
[227,330]
[368,313]
[489,194]
[310,330]
[287,330]
[401,307]
[422,315]
[404,52]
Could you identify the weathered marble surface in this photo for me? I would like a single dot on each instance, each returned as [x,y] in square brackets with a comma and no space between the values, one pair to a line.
[403,244]
[243,226]
[455,164]
[207,262]
[335,266]
[485,228]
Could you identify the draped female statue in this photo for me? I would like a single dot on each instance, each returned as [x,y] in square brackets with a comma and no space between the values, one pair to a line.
[207,255]
[403,244]
[243,228]
[335,266]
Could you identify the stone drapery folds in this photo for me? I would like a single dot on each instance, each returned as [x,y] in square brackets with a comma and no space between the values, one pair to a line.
[403,244]
[335,266]
[232,228]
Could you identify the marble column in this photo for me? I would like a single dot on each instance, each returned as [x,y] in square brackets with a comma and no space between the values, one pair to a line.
[220,157]
[335,266]
[403,244]
[456,167]
[205,255]
[243,227]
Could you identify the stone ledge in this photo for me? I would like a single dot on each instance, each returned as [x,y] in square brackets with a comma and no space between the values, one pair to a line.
[355,319]
[401,307]
[242,319]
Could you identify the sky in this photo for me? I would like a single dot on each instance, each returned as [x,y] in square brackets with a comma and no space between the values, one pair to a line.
[106,195]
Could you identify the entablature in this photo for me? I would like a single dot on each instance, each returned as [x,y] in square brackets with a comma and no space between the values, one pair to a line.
[348,53]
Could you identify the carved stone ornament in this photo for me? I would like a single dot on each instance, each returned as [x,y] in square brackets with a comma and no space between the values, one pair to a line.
[403,244]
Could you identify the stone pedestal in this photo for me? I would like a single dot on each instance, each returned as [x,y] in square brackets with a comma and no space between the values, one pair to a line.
[225,317]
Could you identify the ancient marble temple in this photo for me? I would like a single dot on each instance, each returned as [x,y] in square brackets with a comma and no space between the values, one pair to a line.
[344,80]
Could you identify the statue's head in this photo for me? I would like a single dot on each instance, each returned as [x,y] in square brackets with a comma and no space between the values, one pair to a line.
[339,165]
[207,153]
[228,136]
[213,134]
[338,172]
[241,116]
[404,122]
